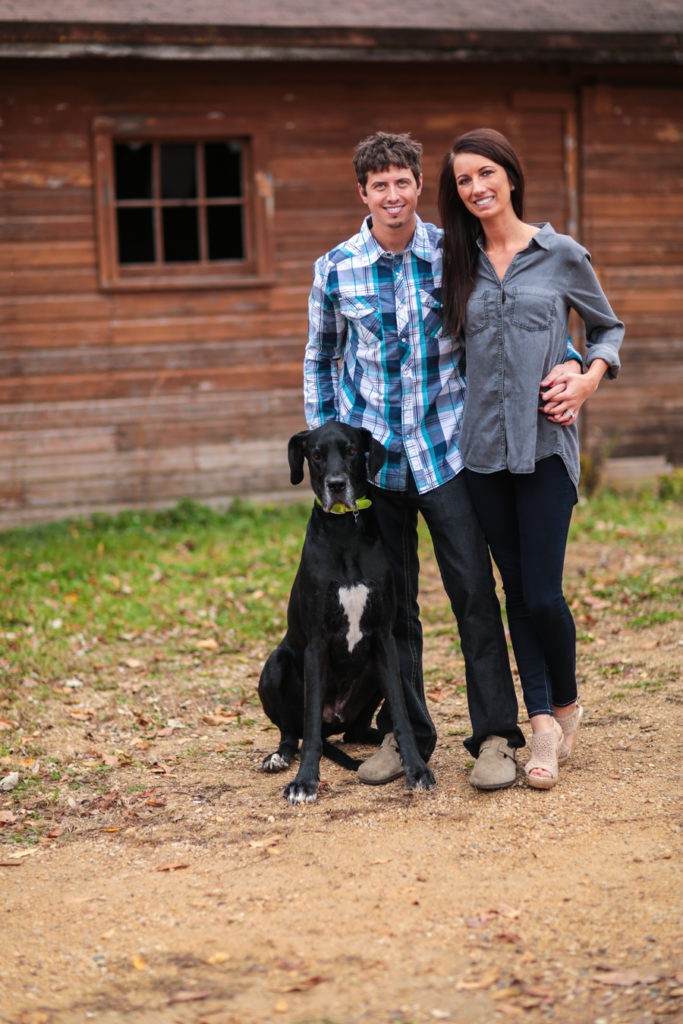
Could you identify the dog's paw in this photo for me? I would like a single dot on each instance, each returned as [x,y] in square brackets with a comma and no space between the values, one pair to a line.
[275,762]
[422,778]
[301,792]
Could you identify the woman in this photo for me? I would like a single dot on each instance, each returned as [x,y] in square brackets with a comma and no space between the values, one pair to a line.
[508,286]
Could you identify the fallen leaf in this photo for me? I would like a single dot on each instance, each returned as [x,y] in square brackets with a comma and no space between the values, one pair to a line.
[139,964]
[260,843]
[504,993]
[304,985]
[7,818]
[505,910]
[9,782]
[54,833]
[625,978]
[210,644]
[185,996]
[218,958]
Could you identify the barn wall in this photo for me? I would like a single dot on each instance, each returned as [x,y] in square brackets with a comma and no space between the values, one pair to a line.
[632,169]
[112,399]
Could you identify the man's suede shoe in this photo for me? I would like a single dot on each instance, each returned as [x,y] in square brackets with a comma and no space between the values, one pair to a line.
[496,765]
[384,766]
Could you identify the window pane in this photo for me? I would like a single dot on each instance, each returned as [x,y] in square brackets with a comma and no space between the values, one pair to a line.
[223,169]
[178,171]
[136,235]
[133,170]
[226,232]
[181,235]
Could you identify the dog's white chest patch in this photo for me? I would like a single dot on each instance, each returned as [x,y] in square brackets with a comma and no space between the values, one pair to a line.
[353,600]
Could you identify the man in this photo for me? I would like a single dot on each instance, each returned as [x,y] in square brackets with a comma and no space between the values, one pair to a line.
[377,358]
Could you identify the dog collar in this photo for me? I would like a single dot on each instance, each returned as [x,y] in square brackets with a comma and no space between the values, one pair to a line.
[340,510]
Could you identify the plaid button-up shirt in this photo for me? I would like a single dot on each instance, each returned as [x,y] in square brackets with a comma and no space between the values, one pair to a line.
[377,356]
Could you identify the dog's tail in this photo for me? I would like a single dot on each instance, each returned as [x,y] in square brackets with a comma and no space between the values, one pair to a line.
[339,757]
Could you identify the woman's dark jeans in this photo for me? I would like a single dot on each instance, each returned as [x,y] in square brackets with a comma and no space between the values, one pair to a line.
[526,518]
[465,566]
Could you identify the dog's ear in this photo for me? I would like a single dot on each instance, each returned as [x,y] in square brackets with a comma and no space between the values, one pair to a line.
[376,453]
[295,453]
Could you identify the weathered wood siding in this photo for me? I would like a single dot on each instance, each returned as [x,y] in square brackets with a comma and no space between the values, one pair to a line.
[632,168]
[112,399]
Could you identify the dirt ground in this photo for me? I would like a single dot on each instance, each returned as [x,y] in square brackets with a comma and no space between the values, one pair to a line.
[174,885]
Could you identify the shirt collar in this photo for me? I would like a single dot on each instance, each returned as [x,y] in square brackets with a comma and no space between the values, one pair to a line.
[543,238]
[419,243]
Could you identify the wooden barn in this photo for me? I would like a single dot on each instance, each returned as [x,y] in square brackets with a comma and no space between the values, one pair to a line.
[170,172]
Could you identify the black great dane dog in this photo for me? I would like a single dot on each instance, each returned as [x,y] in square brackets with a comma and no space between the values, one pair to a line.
[338,657]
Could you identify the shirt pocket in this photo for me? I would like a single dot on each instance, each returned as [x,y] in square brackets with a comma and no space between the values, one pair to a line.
[432,313]
[365,326]
[477,315]
[530,310]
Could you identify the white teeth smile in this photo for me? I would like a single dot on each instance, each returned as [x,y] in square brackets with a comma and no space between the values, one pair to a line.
[483,202]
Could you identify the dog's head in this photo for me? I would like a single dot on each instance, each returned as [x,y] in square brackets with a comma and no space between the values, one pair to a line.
[336,456]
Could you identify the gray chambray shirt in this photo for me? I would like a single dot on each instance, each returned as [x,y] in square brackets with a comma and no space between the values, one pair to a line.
[516,331]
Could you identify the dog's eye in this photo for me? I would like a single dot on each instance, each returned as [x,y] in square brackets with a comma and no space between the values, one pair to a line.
[316,455]
[352,451]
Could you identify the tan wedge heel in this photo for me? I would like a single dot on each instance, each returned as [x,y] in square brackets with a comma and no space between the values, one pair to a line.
[570,727]
[544,750]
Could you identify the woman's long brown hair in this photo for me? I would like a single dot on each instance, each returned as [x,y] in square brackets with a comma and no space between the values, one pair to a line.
[462,228]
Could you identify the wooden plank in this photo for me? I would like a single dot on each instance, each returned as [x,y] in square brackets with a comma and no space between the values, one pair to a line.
[140,383]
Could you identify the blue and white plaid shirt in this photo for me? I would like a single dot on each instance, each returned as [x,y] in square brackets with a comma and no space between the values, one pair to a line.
[379,313]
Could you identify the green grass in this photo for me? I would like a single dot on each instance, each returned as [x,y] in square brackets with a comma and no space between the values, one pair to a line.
[192,579]
[183,574]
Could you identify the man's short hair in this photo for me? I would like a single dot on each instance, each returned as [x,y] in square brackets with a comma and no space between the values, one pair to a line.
[382,150]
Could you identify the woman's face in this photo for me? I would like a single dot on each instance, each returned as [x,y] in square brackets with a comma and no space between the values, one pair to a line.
[483,185]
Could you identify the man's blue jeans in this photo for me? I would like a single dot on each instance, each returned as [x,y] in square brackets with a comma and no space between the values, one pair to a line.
[526,518]
[463,558]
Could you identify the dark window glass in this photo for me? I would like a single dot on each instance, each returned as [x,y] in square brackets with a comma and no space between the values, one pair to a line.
[223,169]
[226,232]
[133,169]
[181,234]
[136,235]
[178,171]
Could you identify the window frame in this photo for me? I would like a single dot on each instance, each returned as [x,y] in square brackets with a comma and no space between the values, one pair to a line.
[254,269]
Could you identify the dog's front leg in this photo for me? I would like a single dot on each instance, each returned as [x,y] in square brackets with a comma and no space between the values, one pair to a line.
[418,775]
[304,787]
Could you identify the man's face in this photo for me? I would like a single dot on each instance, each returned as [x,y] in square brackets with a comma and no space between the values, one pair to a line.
[391,197]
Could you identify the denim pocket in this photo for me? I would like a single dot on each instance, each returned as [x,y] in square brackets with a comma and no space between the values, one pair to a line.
[530,310]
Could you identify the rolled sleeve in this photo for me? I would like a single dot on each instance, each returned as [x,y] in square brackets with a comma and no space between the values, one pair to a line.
[604,331]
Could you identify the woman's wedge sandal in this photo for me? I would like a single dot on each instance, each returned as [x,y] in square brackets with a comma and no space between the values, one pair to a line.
[570,726]
[544,749]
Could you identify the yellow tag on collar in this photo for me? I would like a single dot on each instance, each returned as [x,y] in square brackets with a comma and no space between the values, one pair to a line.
[340,510]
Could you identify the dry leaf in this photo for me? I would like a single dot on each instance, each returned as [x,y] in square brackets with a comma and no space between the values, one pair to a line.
[504,993]
[185,996]
[218,958]
[303,985]
[625,978]
[210,644]
[270,841]
[139,964]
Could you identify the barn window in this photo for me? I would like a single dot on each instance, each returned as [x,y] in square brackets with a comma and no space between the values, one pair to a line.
[180,207]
